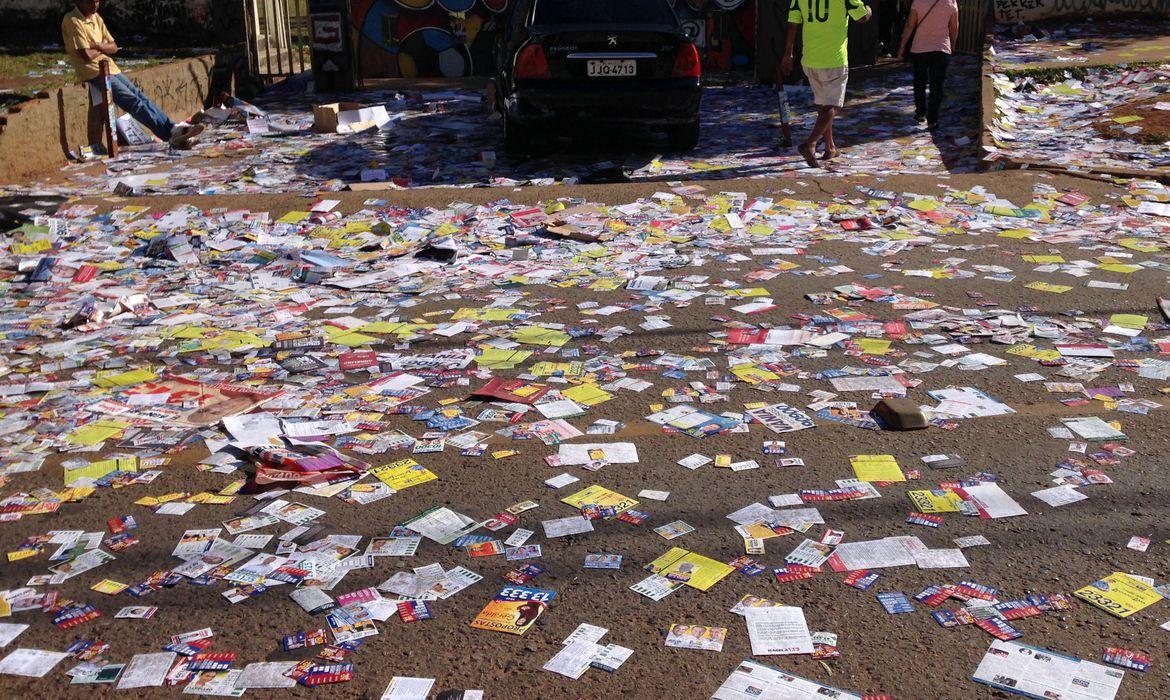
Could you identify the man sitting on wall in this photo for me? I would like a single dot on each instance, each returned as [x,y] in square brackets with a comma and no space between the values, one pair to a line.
[88,43]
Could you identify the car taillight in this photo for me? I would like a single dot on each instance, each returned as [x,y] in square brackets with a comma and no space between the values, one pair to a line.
[686,63]
[532,63]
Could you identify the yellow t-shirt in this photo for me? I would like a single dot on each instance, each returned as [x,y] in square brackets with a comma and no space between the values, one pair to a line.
[80,33]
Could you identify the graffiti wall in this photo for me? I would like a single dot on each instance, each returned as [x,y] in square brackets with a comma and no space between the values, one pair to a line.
[455,38]
[1031,10]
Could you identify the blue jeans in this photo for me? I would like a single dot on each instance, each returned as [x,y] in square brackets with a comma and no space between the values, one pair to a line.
[132,101]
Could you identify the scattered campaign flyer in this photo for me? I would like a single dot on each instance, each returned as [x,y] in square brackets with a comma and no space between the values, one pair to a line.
[9,631]
[147,670]
[34,663]
[408,688]
[780,418]
[575,454]
[689,568]
[778,630]
[991,501]
[194,543]
[1119,594]
[513,610]
[696,637]
[1040,673]
[751,680]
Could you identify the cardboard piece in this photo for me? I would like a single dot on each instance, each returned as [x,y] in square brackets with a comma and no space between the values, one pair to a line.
[326,118]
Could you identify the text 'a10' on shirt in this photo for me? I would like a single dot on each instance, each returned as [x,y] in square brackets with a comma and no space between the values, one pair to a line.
[825,30]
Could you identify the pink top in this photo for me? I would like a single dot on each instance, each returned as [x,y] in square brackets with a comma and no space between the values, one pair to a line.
[933,33]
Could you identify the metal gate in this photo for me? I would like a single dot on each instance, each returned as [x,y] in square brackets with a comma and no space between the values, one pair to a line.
[973,21]
[278,38]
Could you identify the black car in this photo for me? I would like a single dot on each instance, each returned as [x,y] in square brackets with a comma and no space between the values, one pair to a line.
[588,62]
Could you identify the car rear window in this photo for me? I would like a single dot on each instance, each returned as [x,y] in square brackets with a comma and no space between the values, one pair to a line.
[603,12]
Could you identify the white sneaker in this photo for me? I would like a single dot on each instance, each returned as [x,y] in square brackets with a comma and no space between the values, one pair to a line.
[184,135]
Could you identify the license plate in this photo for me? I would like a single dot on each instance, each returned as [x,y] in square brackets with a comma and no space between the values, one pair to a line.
[609,69]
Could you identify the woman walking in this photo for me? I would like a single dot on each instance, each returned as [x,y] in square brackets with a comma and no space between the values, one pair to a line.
[929,37]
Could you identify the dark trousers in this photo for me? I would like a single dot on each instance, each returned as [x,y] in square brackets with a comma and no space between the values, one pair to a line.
[890,21]
[930,69]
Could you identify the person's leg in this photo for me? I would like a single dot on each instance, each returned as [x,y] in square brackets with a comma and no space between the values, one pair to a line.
[838,103]
[921,73]
[938,76]
[830,144]
[825,114]
[132,101]
[888,18]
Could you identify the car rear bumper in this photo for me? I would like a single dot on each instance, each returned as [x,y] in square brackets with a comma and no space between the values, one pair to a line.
[654,102]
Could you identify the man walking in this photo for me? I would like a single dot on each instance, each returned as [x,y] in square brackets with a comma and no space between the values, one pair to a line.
[824,26]
[88,43]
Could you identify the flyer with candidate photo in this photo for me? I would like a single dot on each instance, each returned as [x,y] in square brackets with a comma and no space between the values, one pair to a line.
[513,610]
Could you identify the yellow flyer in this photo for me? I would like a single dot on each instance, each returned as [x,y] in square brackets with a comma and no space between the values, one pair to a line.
[600,496]
[513,610]
[876,468]
[109,587]
[1119,594]
[403,474]
[694,570]
[937,501]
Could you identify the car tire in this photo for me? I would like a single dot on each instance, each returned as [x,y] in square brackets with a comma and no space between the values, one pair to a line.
[684,137]
[517,137]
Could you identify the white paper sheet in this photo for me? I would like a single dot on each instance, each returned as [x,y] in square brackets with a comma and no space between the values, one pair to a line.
[778,630]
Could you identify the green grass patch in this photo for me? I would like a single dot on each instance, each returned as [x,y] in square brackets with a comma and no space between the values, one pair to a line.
[1055,74]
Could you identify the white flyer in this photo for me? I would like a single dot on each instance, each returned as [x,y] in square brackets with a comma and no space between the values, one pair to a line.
[992,501]
[561,527]
[1040,673]
[751,681]
[778,630]
[9,631]
[147,670]
[780,418]
[34,663]
[615,453]
[1059,495]
[408,688]
[809,553]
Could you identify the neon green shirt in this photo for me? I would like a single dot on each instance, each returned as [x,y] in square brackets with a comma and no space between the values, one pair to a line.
[825,30]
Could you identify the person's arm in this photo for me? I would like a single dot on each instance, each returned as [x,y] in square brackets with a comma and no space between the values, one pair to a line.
[109,48]
[789,46]
[954,28]
[858,11]
[911,22]
[795,19]
[107,45]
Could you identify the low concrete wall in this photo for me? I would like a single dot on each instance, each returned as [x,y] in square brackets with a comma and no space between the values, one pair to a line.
[38,134]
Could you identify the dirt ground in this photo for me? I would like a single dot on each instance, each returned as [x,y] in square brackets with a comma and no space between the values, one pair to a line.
[1154,123]
[907,656]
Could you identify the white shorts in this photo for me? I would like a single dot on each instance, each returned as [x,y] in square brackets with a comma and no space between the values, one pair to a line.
[828,85]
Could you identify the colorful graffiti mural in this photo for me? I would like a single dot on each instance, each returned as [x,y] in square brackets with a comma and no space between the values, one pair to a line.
[454,38]
[425,38]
